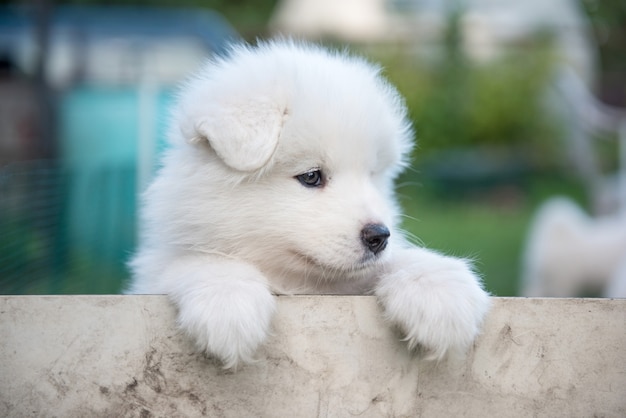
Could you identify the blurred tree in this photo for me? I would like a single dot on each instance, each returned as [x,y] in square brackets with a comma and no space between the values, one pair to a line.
[608,19]
[458,103]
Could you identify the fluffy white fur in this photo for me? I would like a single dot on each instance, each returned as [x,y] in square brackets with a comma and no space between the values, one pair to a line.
[227,223]
[569,253]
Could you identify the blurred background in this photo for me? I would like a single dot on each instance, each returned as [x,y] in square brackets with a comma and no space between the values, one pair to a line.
[514,103]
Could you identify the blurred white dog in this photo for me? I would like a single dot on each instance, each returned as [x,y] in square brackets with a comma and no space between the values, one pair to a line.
[279,179]
[569,253]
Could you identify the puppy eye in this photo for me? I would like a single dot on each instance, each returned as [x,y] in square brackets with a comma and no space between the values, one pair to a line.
[311,178]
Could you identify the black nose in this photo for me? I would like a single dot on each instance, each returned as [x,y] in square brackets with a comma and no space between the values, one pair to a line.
[375,236]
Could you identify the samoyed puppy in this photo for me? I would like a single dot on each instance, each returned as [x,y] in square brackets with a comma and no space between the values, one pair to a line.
[569,253]
[279,180]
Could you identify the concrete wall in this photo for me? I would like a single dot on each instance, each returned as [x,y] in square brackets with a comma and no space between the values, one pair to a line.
[330,356]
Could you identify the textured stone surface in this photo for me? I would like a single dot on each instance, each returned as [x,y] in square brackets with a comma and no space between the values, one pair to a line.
[329,356]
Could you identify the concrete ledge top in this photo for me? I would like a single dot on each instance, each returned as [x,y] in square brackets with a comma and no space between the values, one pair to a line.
[329,356]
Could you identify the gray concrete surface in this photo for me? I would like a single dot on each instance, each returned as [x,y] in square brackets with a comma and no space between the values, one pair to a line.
[329,356]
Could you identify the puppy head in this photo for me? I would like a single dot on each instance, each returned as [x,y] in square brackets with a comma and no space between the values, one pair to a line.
[295,149]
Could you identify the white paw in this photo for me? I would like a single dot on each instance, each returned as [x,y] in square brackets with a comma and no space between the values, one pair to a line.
[227,319]
[436,301]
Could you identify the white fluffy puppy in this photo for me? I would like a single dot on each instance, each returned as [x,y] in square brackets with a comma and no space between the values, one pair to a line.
[279,179]
[569,253]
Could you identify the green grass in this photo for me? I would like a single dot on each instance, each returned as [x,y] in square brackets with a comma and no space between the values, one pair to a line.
[492,237]
[489,228]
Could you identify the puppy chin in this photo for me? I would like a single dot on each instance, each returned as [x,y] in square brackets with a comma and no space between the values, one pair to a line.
[340,267]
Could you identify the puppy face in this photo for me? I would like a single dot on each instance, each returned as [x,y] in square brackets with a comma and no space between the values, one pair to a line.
[289,155]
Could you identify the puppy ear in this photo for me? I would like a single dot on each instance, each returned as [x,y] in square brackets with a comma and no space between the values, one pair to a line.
[245,135]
